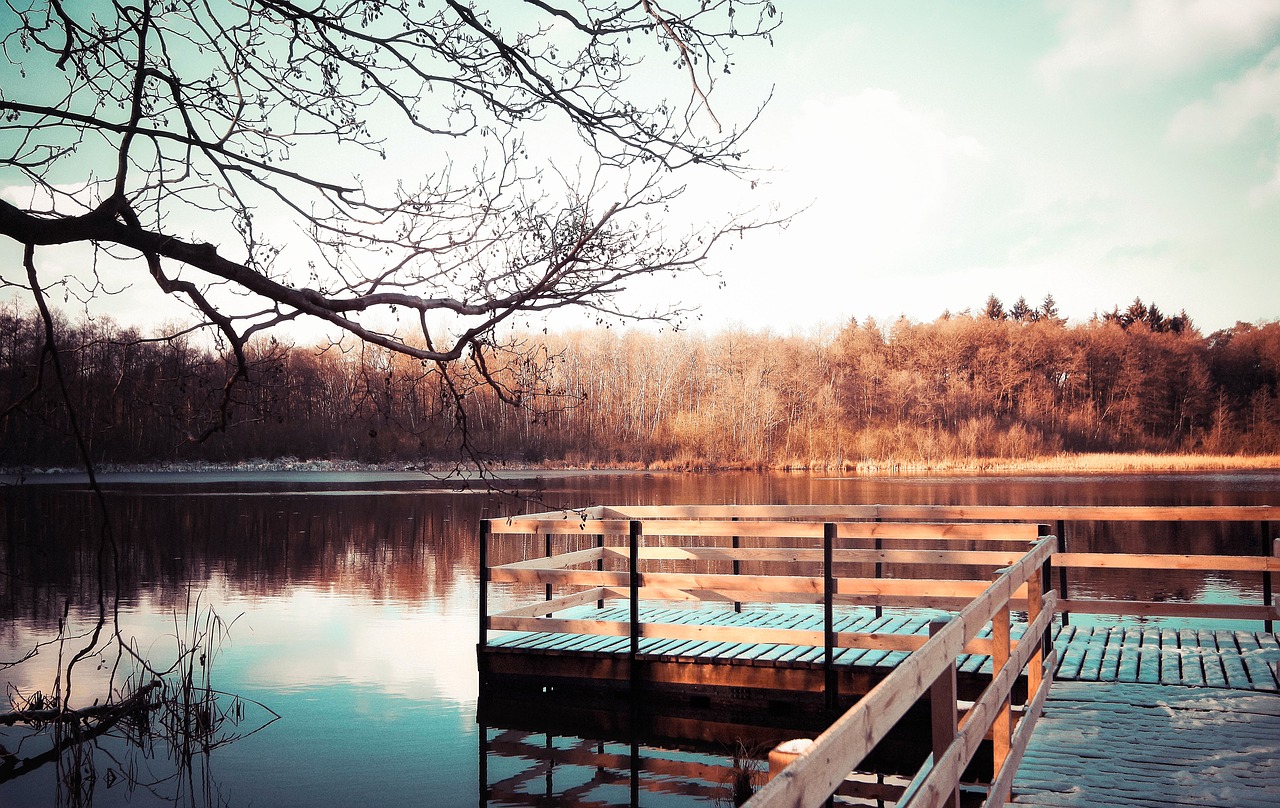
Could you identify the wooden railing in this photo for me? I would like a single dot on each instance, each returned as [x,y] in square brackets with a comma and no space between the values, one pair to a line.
[1059,517]
[617,568]
[614,571]
[817,774]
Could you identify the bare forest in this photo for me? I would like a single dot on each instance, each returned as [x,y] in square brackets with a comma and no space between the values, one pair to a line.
[997,384]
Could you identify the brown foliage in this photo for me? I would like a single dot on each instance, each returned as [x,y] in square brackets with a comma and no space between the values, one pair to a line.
[960,387]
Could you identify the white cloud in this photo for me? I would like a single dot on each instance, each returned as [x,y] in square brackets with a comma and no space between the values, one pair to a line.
[1156,37]
[65,199]
[1269,190]
[1233,105]
[1227,115]
[876,170]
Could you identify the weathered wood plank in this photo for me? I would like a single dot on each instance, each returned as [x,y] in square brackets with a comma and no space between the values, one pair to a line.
[1130,656]
[1094,651]
[1192,658]
[1154,561]
[1261,674]
[1170,660]
[1165,608]
[1073,653]
[1109,670]
[1036,513]
[1149,657]
[1137,745]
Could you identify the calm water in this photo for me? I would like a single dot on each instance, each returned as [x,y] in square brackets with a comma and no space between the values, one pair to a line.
[352,603]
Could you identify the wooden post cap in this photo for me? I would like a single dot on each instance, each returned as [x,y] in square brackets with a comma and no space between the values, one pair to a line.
[781,755]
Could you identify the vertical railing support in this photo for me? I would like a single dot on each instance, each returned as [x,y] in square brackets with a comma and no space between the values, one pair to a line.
[828,615]
[634,535]
[1046,585]
[1268,597]
[879,545]
[942,709]
[737,565]
[600,563]
[484,582]
[1002,728]
[1062,571]
[1035,605]
[546,542]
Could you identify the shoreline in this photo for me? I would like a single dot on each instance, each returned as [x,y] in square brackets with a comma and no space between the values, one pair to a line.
[1097,463]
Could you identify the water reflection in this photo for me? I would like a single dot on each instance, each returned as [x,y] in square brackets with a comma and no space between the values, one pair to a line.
[355,598]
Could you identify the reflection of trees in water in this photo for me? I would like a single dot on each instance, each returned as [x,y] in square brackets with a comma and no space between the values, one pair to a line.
[401,546]
[415,545]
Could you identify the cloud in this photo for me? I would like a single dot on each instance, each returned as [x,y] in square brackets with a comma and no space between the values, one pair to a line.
[1233,106]
[1227,116]
[1269,190]
[1156,38]
[876,169]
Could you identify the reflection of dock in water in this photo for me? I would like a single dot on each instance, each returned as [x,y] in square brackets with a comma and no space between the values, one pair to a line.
[917,646]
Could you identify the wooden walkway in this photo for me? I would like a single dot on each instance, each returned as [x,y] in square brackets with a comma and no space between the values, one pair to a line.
[1238,660]
[951,680]
[1112,745]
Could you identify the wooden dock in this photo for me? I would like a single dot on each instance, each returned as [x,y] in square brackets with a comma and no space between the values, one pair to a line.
[1239,660]
[950,622]
[1151,746]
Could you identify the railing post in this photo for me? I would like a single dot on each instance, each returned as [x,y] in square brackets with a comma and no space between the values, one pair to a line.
[1035,605]
[942,710]
[1046,585]
[737,565]
[1268,597]
[634,535]
[879,545]
[600,563]
[546,541]
[828,614]
[484,582]
[1062,571]
[1002,728]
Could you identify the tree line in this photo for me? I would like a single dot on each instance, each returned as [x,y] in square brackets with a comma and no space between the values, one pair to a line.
[996,383]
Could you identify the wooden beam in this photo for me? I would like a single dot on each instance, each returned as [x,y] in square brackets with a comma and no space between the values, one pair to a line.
[611,628]
[993,558]
[553,562]
[1033,513]
[554,605]
[1149,608]
[946,771]
[837,751]
[507,575]
[1002,781]
[1156,561]
[571,526]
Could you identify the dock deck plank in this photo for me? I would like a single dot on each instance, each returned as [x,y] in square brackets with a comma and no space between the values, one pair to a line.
[1239,660]
[1152,745]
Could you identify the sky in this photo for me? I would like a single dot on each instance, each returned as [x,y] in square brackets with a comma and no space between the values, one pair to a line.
[1095,151]
[935,153]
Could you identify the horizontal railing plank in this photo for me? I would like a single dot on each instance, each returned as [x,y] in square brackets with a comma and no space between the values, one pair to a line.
[559,561]
[1161,608]
[1035,513]
[996,558]
[1157,561]
[560,577]
[544,607]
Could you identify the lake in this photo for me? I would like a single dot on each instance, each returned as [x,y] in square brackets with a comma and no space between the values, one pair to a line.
[349,607]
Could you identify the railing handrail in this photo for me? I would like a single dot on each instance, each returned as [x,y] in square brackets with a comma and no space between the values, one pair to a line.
[818,772]
[1033,513]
